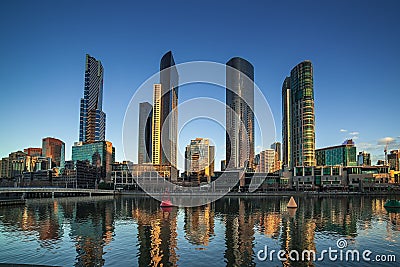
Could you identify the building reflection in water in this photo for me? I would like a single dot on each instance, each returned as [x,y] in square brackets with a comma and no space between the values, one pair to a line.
[90,223]
[157,233]
[199,224]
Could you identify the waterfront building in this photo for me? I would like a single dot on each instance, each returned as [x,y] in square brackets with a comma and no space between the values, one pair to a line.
[393,160]
[99,154]
[199,158]
[354,178]
[239,114]
[344,155]
[54,149]
[92,118]
[145,133]
[286,123]
[168,114]
[267,161]
[33,151]
[364,159]
[298,127]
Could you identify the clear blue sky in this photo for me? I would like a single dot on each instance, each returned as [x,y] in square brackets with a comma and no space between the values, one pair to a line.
[354,46]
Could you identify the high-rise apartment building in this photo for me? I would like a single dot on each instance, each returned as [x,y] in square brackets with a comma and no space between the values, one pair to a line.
[92,118]
[239,113]
[298,127]
[54,149]
[199,158]
[145,133]
[267,160]
[156,125]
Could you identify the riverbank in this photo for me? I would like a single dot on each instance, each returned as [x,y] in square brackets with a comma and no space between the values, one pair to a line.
[268,194]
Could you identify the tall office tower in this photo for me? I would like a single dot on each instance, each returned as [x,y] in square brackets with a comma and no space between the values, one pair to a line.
[286,123]
[199,158]
[169,80]
[239,114]
[277,147]
[145,123]
[92,118]
[156,125]
[55,150]
[298,117]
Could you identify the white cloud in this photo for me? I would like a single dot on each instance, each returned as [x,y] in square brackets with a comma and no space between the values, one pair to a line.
[354,133]
[385,140]
[343,130]
[355,137]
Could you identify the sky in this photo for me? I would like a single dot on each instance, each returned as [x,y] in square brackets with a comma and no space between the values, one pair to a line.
[353,45]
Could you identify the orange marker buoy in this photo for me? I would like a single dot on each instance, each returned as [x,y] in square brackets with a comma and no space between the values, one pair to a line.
[292,204]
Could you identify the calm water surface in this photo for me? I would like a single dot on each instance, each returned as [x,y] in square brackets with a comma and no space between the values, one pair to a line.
[129,231]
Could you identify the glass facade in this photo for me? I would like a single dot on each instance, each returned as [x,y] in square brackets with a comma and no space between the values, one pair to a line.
[92,118]
[302,124]
[169,80]
[99,154]
[145,133]
[239,113]
[344,155]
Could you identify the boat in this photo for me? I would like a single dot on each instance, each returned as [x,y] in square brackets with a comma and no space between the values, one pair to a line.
[166,201]
[392,205]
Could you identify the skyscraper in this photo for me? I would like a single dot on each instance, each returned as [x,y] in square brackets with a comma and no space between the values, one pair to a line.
[55,150]
[286,123]
[169,80]
[239,113]
[92,118]
[298,117]
[156,125]
[145,133]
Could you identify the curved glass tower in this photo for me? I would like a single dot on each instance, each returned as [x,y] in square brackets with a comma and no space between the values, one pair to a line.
[239,113]
[302,119]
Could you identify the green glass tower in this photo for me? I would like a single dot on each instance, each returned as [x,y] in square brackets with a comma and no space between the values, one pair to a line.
[299,119]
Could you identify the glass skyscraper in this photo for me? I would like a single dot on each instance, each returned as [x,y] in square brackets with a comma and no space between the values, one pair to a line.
[92,118]
[145,133]
[239,113]
[169,80]
[298,126]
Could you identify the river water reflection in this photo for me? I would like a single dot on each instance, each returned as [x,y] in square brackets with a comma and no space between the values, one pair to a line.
[134,231]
